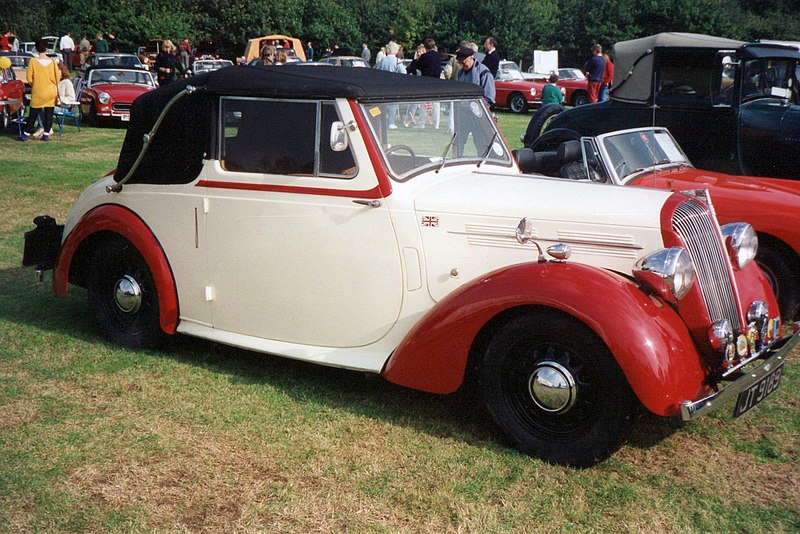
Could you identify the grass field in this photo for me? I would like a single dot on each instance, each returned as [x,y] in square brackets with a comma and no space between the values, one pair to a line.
[198,436]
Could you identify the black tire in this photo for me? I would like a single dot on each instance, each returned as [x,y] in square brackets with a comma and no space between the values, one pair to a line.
[517,103]
[578,424]
[91,119]
[550,140]
[543,115]
[579,98]
[779,265]
[118,274]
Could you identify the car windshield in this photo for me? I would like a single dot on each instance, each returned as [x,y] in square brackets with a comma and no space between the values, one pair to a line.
[125,61]
[629,153]
[570,74]
[506,74]
[415,136]
[115,76]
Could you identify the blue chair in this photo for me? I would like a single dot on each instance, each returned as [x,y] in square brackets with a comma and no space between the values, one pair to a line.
[72,112]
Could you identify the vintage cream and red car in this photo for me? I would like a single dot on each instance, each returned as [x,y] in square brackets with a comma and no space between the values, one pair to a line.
[650,157]
[109,92]
[292,220]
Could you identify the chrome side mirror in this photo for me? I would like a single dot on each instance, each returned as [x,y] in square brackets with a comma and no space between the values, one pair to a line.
[338,139]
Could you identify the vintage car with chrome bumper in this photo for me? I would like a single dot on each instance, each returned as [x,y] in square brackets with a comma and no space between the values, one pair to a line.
[420,254]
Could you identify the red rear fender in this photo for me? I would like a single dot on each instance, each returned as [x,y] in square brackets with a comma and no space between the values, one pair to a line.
[123,222]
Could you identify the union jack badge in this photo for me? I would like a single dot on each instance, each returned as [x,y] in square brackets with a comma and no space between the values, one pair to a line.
[430,221]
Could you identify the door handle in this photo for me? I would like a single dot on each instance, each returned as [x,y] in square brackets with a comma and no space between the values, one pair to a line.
[370,203]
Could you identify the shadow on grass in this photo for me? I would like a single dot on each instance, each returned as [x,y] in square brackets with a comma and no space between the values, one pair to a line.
[454,416]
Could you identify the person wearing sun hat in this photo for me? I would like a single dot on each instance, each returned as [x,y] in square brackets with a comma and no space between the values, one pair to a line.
[473,71]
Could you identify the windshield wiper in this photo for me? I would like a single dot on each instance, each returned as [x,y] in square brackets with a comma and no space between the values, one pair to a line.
[446,151]
[488,150]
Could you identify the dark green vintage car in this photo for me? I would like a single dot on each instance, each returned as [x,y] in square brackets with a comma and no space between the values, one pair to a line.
[734,107]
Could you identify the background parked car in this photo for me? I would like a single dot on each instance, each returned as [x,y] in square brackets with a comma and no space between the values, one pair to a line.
[515,92]
[206,65]
[344,61]
[12,94]
[116,59]
[19,64]
[110,91]
[650,157]
[734,107]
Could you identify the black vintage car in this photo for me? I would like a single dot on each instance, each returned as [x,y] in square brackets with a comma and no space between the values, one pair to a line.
[734,107]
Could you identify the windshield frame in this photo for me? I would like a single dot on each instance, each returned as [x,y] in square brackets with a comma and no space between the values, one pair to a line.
[443,153]
[612,163]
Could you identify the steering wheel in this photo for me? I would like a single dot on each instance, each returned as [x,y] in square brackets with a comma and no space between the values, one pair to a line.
[391,150]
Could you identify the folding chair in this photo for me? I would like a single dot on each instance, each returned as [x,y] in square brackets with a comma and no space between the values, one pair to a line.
[71,111]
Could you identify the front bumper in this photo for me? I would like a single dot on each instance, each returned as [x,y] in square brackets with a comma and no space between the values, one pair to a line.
[774,356]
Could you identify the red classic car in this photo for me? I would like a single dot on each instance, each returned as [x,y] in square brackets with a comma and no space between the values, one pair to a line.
[12,92]
[515,92]
[650,157]
[110,91]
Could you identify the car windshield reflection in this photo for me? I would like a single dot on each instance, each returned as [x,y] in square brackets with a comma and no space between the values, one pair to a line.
[415,136]
[630,153]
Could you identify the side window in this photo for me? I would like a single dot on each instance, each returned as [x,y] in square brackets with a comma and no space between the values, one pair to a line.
[281,137]
[688,78]
[268,136]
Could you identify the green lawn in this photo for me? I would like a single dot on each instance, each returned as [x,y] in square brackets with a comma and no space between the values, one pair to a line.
[199,436]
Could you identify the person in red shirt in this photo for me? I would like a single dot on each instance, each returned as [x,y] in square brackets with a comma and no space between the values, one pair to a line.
[608,78]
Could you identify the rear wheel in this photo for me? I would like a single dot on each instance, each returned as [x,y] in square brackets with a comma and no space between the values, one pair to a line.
[123,295]
[554,389]
[517,103]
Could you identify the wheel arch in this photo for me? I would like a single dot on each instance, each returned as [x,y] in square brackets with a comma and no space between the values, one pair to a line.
[647,338]
[112,221]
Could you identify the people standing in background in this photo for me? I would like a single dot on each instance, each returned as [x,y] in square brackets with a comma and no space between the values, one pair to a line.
[428,63]
[268,55]
[67,46]
[168,64]
[5,41]
[608,79]
[391,63]
[594,69]
[492,59]
[43,76]
[309,52]
[551,93]
[113,44]
[380,55]
[83,50]
[472,71]
[366,55]
[100,45]
[185,48]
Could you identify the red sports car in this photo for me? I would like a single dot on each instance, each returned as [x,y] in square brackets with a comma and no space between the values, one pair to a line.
[650,157]
[516,93]
[12,92]
[110,91]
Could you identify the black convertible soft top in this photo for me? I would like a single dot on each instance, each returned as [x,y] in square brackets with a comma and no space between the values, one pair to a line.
[178,148]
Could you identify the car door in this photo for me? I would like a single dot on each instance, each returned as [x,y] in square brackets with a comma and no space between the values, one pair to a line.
[301,248]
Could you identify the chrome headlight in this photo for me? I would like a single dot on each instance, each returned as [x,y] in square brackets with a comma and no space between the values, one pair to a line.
[103,98]
[533,91]
[741,242]
[669,272]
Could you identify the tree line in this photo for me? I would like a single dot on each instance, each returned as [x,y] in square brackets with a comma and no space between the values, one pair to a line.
[520,26]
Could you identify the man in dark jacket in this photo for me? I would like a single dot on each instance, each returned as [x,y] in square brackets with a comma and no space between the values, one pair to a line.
[492,59]
[428,64]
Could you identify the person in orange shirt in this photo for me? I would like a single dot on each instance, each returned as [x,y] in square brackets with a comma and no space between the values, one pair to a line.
[43,75]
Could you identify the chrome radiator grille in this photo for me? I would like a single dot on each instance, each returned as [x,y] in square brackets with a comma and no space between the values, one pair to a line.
[694,224]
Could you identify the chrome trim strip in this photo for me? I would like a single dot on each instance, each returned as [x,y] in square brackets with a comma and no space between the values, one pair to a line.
[691,410]
[609,244]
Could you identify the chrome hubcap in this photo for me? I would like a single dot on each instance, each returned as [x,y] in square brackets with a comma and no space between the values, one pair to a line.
[128,294]
[552,387]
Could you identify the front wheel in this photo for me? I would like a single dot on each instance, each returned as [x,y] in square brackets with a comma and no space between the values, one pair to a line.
[517,103]
[554,389]
[123,295]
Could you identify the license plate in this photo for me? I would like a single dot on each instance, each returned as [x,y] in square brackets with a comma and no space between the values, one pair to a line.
[125,118]
[758,391]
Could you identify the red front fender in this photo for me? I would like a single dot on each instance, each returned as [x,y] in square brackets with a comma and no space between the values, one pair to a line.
[122,221]
[648,339]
